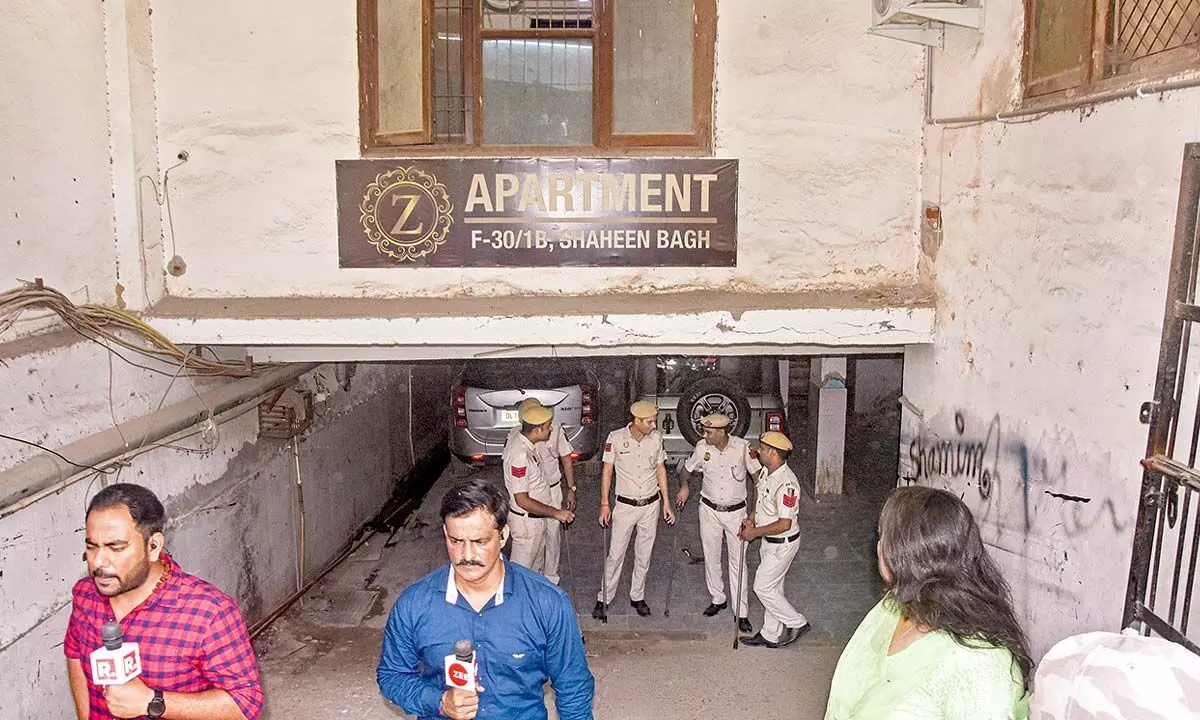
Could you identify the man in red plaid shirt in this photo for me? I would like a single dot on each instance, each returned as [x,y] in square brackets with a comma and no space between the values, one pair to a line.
[197,662]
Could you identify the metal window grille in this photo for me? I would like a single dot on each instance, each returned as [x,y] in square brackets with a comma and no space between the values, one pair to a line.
[451,110]
[1141,28]
[553,63]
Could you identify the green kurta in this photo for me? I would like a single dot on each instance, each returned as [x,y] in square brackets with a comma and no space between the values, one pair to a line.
[935,678]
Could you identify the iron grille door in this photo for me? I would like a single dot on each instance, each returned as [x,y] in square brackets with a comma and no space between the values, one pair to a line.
[1162,569]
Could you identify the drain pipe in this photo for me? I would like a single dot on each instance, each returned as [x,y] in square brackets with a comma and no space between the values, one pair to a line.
[1036,110]
[44,473]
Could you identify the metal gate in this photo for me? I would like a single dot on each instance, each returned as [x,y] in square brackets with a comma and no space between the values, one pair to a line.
[1162,572]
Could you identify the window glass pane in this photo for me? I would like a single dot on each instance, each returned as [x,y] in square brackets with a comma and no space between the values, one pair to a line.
[400,93]
[536,14]
[450,110]
[652,66]
[537,92]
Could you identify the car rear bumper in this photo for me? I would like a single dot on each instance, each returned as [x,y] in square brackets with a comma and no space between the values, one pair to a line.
[485,447]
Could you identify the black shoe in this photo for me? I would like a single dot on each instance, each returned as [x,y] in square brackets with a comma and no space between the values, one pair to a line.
[744,625]
[791,635]
[714,608]
[642,608]
[600,611]
[755,640]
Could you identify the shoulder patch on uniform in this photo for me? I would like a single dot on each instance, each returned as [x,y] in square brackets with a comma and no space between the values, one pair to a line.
[518,472]
[789,498]
[753,454]
[607,447]
[707,457]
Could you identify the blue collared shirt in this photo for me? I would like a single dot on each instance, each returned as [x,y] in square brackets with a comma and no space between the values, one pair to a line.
[527,633]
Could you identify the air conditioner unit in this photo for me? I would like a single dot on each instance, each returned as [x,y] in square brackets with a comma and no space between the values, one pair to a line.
[922,21]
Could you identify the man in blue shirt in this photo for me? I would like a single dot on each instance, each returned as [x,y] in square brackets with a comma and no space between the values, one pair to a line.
[523,628]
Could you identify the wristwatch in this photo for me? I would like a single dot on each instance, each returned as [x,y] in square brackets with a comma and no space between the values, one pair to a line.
[157,705]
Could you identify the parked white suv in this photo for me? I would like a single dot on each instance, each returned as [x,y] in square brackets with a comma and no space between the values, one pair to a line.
[686,388]
[485,395]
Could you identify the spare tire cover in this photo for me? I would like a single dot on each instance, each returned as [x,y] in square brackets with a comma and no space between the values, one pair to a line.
[709,395]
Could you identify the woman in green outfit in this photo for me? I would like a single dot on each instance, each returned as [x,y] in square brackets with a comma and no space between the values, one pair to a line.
[944,643]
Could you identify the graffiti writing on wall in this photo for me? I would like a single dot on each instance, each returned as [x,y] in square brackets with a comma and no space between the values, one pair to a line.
[1014,478]
[972,458]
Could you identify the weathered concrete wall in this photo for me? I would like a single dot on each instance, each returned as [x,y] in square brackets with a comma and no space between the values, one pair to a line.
[234,510]
[1050,275]
[877,381]
[824,119]
[56,182]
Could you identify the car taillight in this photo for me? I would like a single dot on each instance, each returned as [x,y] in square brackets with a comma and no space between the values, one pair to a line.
[773,421]
[460,406]
[587,411]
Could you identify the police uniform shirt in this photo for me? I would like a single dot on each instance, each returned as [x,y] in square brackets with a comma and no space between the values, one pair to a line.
[523,471]
[549,452]
[778,497]
[724,470]
[635,463]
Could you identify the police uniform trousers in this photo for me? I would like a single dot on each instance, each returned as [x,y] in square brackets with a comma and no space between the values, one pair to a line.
[554,534]
[528,541]
[715,526]
[625,519]
[773,564]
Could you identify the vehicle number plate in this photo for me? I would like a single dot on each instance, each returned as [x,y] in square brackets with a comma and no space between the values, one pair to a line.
[510,416]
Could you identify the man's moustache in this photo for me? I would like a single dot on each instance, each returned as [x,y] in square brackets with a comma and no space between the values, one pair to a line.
[466,563]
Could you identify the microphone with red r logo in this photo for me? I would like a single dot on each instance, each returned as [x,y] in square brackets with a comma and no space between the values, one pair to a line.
[462,668]
[116,662]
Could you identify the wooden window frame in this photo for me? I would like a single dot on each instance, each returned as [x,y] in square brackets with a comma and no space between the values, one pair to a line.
[1152,68]
[605,142]
[368,79]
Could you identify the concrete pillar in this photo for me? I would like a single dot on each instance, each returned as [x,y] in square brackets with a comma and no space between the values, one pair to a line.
[133,144]
[828,378]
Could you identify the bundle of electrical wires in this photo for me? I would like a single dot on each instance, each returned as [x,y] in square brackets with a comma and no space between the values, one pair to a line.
[111,327]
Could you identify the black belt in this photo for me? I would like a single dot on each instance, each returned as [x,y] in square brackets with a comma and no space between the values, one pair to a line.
[518,512]
[780,541]
[723,508]
[556,484]
[637,503]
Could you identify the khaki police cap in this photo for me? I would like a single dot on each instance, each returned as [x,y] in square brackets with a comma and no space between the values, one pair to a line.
[716,420]
[775,440]
[536,415]
[528,403]
[643,409]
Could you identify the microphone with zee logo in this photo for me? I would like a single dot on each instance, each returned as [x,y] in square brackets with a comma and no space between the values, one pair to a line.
[117,662]
[462,668]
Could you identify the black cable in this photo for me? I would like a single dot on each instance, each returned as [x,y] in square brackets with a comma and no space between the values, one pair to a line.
[109,471]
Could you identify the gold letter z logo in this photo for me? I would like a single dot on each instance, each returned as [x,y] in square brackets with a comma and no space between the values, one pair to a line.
[398,228]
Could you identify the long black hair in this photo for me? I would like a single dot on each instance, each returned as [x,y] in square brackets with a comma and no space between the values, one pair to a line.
[941,575]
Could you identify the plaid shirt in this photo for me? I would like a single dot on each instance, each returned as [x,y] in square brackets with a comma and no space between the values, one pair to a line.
[191,637]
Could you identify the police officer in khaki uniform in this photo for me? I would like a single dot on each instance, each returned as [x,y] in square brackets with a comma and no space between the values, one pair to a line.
[776,521]
[554,450]
[726,462]
[635,452]
[529,494]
